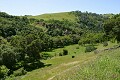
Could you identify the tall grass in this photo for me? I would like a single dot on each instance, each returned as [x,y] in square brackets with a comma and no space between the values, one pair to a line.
[105,67]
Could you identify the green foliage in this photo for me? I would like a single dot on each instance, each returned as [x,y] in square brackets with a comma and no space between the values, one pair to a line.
[90,48]
[3,72]
[60,54]
[77,47]
[46,56]
[91,38]
[112,27]
[61,41]
[3,41]
[8,56]
[61,28]
[90,21]
[65,52]
[19,72]
[34,48]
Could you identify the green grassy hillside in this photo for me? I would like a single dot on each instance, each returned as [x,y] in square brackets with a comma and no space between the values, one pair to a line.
[105,67]
[56,16]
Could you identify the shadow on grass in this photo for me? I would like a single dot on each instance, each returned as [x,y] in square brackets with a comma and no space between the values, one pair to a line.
[35,65]
[47,65]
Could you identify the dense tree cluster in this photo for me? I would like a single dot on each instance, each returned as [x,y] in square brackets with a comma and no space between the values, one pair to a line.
[92,38]
[112,27]
[90,21]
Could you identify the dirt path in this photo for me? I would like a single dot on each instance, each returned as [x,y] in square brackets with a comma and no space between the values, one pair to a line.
[75,63]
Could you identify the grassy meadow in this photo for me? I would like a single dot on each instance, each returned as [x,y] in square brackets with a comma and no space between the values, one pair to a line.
[105,67]
[56,16]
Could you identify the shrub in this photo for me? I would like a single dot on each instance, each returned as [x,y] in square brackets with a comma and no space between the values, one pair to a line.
[19,72]
[46,56]
[73,56]
[105,43]
[65,52]
[11,77]
[60,54]
[74,52]
[77,47]
[3,71]
[90,48]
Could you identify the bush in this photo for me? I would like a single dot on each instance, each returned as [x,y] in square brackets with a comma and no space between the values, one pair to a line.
[11,77]
[19,72]
[60,54]
[105,43]
[3,71]
[77,47]
[90,48]
[46,56]
[73,56]
[74,52]
[8,56]
[65,52]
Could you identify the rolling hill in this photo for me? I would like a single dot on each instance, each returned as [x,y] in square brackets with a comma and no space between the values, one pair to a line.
[56,16]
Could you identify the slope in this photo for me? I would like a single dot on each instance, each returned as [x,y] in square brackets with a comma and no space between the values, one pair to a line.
[56,16]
